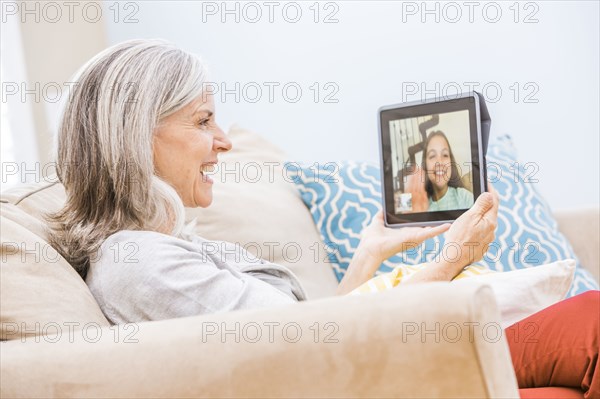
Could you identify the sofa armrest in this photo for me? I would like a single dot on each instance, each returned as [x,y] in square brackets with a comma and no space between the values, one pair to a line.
[428,340]
[582,229]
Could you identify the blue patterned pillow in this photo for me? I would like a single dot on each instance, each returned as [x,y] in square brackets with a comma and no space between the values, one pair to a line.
[344,197]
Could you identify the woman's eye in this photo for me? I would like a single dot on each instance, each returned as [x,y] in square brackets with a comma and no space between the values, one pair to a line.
[204,122]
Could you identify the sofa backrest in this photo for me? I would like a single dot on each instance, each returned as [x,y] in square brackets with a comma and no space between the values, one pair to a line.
[40,292]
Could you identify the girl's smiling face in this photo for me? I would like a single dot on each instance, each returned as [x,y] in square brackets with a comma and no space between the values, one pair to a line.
[438,162]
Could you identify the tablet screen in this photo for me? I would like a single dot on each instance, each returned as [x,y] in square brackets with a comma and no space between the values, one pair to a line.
[432,159]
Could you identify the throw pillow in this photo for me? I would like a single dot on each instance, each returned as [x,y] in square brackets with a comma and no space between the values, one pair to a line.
[519,293]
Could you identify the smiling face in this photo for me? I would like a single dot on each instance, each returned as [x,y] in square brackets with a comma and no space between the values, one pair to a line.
[438,162]
[186,144]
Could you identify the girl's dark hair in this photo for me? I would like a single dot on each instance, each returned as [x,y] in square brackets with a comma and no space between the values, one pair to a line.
[455,178]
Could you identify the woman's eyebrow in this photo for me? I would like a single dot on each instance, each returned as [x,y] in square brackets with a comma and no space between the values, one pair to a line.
[208,112]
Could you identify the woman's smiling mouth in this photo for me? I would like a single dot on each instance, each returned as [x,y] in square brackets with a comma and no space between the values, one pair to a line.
[205,170]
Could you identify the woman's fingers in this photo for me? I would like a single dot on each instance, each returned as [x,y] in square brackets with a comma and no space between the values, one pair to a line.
[494,210]
[378,218]
[491,216]
[436,231]
[420,234]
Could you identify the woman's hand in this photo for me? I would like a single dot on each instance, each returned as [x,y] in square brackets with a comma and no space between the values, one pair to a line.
[379,243]
[467,240]
[474,230]
[382,242]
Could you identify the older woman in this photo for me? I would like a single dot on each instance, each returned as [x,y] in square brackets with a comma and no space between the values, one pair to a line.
[136,140]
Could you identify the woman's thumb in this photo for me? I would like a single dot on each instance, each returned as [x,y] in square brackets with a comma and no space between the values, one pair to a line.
[484,203]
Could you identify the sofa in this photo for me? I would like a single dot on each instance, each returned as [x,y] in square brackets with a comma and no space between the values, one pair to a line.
[422,341]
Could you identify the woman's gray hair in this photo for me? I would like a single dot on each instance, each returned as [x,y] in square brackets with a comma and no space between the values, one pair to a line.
[105,146]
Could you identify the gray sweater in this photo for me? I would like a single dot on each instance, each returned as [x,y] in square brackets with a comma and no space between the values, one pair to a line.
[143,275]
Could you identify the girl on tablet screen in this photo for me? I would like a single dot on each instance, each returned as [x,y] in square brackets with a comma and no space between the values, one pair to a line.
[443,184]
[437,186]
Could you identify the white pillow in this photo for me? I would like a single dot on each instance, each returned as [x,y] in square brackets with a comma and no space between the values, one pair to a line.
[521,293]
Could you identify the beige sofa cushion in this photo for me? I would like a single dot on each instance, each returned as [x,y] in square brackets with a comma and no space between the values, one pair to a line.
[255,206]
[40,293]
[422,341]
[37,199]
[581,226]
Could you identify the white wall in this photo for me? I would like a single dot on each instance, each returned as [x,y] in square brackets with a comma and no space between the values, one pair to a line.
[376,49]
[42,44]
[17,121]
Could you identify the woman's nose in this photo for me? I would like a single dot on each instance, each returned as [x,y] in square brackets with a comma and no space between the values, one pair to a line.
[221,142]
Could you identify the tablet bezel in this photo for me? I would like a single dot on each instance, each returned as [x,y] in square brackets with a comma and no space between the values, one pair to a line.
[469,101]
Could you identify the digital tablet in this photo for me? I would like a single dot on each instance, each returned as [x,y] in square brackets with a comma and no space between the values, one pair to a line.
[432,155]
